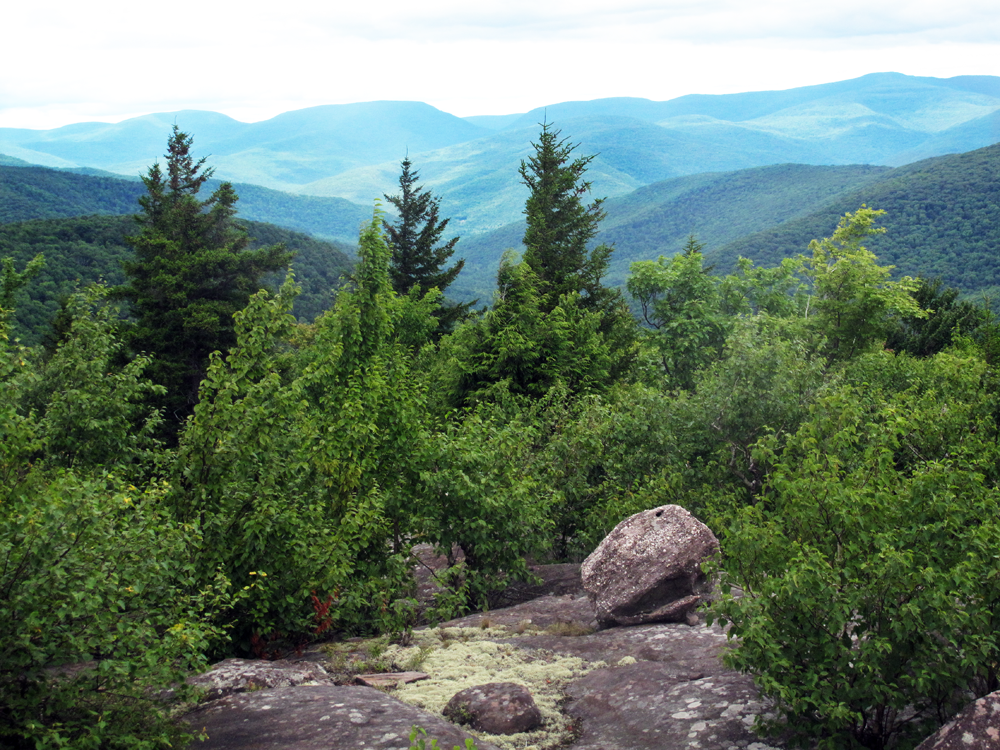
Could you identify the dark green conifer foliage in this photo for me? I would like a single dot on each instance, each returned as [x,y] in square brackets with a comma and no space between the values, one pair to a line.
[190,273]
[560,225]
[412,239]
[416,257]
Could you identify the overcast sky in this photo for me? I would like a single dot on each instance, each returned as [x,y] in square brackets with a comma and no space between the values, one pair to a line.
[64,61]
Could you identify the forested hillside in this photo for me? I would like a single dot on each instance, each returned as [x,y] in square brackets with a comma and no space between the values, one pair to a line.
[86,249]
[41,193]
[657,219]
[942,220]
[943,216]
[353,151]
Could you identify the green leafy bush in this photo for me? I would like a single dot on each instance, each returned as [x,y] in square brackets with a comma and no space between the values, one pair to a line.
[478,489]
[100,607]
[291,459]
[869,568]
[418,738]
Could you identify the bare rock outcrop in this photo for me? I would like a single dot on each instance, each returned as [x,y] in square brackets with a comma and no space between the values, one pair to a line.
[242,675]
[495,708]
[648,569]
[977,726]
[646,706]
[318,717]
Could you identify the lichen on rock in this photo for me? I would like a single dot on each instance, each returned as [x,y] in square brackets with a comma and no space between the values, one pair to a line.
[459,658]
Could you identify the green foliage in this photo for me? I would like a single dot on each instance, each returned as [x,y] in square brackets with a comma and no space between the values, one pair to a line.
[605,458]
[854,303]
[762,387]
[679,300]
[479,489]
[89,249]
[290,462]
[754,290]
[12,281]
[869,568]
[191,271]
[31,192]
[100,606]
[946,318]
[92,411]
[530,348]
[552,322]
[97,613]
[418,738]
[412,238]
[560,225]
[941,217]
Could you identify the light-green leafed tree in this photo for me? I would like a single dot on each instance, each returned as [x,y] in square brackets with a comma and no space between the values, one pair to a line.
[854,303]
[680,302]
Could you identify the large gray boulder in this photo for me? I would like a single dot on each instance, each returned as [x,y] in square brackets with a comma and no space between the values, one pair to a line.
[976,727]
[648,569]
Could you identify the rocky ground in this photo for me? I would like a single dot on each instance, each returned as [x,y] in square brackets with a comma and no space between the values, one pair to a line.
[647,686]
[644,687]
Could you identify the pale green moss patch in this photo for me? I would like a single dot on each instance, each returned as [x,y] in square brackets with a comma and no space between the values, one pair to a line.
[458,658]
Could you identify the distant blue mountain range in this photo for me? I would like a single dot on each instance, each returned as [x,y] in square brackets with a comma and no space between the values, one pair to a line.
[353,151]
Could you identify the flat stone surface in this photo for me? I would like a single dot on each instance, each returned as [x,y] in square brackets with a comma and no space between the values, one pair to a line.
[390,679]
[240,675]
[318,718]
[537,613]
[645,706]
[687,652]
[977,727]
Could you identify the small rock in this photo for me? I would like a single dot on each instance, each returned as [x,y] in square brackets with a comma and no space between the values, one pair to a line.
[495,708]
[389,679]
[648,569]
[233,676]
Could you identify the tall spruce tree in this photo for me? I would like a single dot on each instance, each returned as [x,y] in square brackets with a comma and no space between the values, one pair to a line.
[417,258]
[191,271]
[552,321]
[560,225]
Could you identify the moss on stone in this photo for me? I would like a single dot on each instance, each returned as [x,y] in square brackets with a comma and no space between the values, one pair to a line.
[459,658]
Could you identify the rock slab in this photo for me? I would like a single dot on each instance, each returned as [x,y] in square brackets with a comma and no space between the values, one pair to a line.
[976,727]
[233,676]
[390,679]
[320,717]
[648,569]
[495,708]
[646,706]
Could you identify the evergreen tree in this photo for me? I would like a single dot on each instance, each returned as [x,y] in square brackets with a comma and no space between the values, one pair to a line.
[552,321]
[560,225]
[416,257]
[190,273]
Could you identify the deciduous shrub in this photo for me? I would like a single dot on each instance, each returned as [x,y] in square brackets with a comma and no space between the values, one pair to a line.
[869,567]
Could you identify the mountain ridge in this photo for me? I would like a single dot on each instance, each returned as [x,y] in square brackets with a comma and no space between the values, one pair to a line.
[353,151]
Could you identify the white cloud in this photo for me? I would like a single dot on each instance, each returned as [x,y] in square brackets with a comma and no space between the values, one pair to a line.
[108,59]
